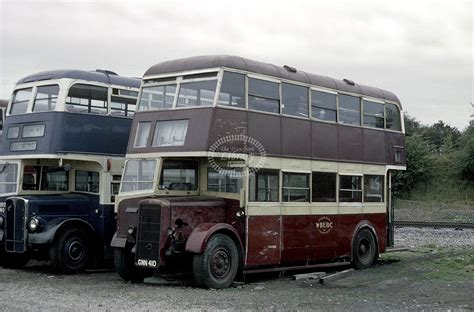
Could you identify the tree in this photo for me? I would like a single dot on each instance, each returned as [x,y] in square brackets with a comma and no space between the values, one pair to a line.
[419,164]
[466,154]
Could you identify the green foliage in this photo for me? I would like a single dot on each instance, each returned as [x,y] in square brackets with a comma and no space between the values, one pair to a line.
[419,165]
[440,163]
[466,154]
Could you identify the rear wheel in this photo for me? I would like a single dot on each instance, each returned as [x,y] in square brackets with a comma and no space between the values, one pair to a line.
[70,253]
[13,260]
[125,266]
[364,249]
[217,266]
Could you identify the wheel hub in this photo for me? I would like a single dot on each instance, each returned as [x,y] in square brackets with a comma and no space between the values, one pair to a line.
[75,250]
[220,264]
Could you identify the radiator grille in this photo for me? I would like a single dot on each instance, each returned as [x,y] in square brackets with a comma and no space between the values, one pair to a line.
[15,226]
[148,233]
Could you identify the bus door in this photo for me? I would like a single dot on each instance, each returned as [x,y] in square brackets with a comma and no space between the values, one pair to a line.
[390,211]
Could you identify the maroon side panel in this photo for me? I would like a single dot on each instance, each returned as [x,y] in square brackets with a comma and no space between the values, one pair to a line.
[350,143]
[374,145]
[296,137]
[394,140]
[238,223]
[324,137]
[196,137]
[193,216]
[379,222]
[263,244]
[325,237]
[347,224]
[228,122]
[267,130]
[297,237]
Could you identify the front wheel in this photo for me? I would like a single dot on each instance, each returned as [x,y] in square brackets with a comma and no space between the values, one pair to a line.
[125,266]
[364,249]
[217,266]
[70,253]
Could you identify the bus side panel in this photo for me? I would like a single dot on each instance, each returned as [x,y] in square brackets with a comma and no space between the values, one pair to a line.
[263,240]
[296,239]
[379,221]
[325,237]
[347,225]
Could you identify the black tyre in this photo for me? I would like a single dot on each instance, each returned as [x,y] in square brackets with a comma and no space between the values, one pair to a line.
[217,266]
[13,260]
[364,249]
[125,266]
[70,252]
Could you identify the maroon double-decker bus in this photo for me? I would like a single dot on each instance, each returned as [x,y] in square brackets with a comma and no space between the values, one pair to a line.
[236,166]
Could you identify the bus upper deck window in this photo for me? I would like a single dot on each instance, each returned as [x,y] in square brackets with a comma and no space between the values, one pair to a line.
[392,114]
[373,114]
[349,109]
[46,98]
[120,106]
[232,91]
[170,133]
[198,93]
[160,97]
[20,101]
[294,100]
[84,98]
[264,95]
[323,106]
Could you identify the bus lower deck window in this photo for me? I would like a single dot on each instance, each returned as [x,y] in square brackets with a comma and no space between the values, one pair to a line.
[264,186]
[296,187]
[350,188]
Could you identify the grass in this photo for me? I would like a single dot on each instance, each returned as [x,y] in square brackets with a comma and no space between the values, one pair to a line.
[453,266]
[434,263]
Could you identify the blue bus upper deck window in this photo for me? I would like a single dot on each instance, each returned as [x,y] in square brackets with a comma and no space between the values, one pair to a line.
[83,98]
[20,101]
[46,98]
[121,106]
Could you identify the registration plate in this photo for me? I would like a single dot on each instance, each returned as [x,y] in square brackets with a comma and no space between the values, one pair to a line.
[147,263]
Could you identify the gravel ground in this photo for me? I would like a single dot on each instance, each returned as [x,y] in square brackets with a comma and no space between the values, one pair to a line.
[418,237]
[424,279]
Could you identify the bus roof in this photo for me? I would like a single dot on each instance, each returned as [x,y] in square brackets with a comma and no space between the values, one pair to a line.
[95,75]
[283,72]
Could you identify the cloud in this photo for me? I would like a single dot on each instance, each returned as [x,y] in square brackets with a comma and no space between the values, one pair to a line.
[420,50]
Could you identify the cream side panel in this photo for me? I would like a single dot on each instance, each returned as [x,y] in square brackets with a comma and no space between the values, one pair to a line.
[374,208]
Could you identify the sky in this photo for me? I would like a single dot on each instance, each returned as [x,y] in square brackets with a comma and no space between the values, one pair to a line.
[420,50]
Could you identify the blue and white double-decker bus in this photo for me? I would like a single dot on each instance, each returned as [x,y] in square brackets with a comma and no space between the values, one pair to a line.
[61,157]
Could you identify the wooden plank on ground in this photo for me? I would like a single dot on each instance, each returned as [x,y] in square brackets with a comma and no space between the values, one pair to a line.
[313,275]
[396,249]
[335,276]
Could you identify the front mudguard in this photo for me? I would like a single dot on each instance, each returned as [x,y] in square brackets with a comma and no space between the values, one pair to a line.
[197,240]
[48,233]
